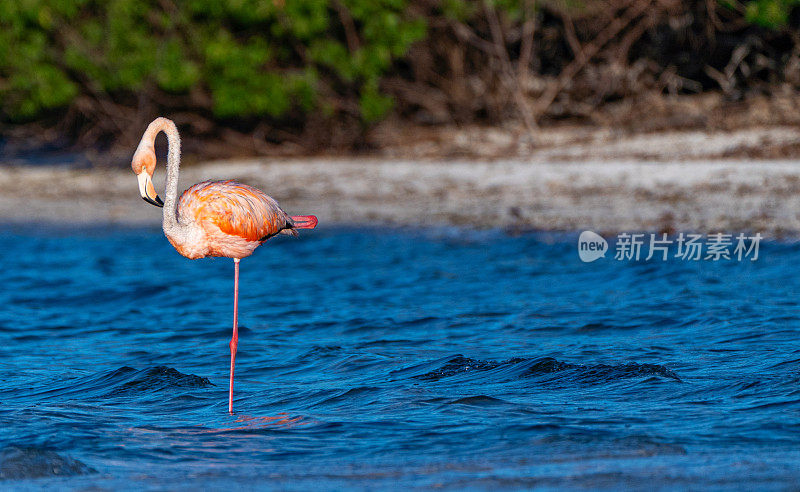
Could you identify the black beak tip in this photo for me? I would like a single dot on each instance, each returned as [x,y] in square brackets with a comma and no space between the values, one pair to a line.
[157,202]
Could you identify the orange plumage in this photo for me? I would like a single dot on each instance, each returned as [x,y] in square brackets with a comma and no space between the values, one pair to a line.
[235,208]
[234,219]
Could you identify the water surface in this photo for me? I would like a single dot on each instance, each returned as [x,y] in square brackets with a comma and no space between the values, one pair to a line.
[394,359]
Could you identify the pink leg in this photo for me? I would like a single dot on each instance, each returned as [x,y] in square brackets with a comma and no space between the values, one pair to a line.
[235,338]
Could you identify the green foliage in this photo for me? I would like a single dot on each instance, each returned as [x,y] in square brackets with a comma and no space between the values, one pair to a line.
[373,104]
[770,13]
[245,58]
[250,57]
[459,10]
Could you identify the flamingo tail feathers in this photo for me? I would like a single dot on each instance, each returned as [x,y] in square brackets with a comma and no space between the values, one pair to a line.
[299,222]
[304,221]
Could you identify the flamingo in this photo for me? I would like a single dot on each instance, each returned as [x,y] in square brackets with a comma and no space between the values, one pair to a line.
[212,218]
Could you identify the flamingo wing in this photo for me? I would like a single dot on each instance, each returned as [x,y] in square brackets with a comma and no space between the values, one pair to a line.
[236,209]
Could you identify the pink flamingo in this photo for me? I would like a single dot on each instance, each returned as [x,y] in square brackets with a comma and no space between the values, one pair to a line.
[212,218]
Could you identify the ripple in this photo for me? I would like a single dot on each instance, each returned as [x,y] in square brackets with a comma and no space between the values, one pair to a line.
[479,400]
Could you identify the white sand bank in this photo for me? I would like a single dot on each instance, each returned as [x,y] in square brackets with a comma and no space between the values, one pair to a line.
[605,196]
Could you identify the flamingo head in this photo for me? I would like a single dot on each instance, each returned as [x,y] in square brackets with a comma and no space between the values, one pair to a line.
[144,164]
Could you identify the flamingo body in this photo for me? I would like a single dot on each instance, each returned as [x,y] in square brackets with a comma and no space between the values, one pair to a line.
[229,219]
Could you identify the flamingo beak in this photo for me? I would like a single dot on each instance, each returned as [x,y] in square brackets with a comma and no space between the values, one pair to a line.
[147,190]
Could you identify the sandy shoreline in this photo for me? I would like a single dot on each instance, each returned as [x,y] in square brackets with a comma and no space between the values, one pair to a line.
[682,190]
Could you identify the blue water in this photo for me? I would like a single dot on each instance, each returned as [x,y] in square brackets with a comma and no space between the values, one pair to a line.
[375,358]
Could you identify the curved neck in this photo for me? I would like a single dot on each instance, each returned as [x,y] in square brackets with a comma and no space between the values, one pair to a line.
[173,166]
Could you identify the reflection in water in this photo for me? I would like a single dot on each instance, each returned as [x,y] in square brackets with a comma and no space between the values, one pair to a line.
[281,420]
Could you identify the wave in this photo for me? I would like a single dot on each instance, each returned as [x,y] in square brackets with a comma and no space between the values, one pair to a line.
[126,380]
[17,462]
[518,368]
[157,379]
